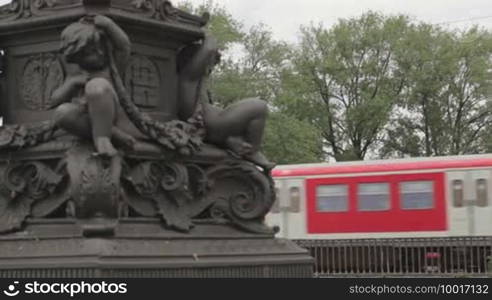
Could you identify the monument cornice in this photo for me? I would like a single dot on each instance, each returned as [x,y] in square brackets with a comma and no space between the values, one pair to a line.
[152,15]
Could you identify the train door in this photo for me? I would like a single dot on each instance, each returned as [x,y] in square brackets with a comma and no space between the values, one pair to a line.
[482,211]
[469,202]
[288,211]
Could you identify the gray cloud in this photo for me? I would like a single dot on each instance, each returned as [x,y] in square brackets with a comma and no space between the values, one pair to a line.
[285,16]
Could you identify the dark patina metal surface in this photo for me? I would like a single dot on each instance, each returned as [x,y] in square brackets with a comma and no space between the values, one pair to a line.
[113,162]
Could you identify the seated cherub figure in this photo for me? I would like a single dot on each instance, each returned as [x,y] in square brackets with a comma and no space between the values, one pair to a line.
[87,104]
[239,127]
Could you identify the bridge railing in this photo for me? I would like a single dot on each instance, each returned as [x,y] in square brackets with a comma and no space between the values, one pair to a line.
[453,256]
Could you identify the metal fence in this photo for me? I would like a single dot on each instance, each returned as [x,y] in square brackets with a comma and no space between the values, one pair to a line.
[456,256]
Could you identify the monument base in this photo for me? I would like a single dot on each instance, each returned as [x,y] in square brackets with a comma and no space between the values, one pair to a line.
[142,248]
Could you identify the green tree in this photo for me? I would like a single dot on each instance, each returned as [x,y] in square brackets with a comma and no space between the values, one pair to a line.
[254,64]
[261,71]
[222,24]
[292,141]
[257,72]
[348,82]
[444,108]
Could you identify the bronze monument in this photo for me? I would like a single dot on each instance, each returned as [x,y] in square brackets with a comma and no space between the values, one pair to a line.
[114,163]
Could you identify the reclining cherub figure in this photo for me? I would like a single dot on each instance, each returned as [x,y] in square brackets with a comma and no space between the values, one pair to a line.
[239,127]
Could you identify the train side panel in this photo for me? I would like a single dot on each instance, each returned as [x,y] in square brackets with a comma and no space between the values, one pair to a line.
[293,214]
[376,203]
[460,205]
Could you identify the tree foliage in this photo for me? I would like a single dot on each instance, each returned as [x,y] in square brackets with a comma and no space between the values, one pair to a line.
[223,25]
[254,64]
[292,141]
[257,73]
[444,108]
[351,84]
[368,86]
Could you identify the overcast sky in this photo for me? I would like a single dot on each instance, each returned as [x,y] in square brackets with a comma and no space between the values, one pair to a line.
[285,16]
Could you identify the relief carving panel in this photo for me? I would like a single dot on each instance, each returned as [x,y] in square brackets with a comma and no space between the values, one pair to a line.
[142,80]
[42,74]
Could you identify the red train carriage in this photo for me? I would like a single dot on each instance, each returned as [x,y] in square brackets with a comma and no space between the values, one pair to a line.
[438,209]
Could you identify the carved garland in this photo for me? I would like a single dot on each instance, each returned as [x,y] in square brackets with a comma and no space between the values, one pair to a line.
[26,135]
[184,137]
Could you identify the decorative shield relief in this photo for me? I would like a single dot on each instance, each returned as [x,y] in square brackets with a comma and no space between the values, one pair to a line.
[142,81]
[43,73]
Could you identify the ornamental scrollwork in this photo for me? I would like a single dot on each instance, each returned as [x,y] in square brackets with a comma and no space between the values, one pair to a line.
[156,9]
[241,193]
[24,185]
[172,191]
[18,9]
[181,194]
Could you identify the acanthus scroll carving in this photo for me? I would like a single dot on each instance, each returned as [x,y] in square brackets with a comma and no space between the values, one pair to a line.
[172,191]
[25,185]
[181,194]
[241,193]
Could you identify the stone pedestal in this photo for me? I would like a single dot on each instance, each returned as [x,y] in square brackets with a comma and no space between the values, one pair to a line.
[171,198]
[143,249]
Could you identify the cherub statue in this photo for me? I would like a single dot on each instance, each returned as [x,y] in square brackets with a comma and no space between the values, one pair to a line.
[239,127]
[87,104]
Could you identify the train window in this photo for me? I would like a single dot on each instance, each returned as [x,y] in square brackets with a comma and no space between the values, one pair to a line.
[295,200]
[417,195]
[373,196]
[457,186]
[332,198]
[276,205]
[482,197]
